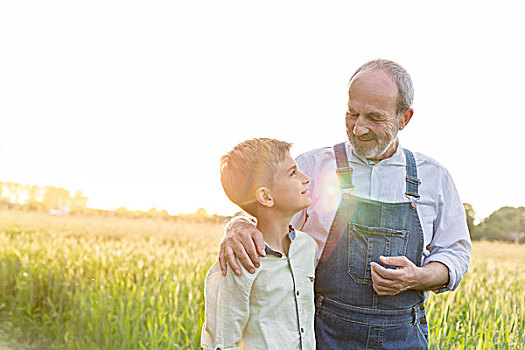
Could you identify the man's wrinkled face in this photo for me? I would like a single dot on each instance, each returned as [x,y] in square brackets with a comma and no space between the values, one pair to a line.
[371,117]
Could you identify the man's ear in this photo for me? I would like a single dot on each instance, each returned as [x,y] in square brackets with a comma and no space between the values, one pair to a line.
[403,121]
[264,196]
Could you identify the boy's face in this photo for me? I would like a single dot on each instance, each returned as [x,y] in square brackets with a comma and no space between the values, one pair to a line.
[289,189]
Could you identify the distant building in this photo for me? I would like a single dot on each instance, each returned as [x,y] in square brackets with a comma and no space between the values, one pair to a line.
[60,211]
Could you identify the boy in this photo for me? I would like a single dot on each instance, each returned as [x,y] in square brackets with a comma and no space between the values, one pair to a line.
[274,307]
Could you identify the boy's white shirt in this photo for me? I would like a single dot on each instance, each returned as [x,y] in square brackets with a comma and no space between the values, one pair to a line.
[259,311]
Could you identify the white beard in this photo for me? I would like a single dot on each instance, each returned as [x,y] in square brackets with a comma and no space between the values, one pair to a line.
[380,147]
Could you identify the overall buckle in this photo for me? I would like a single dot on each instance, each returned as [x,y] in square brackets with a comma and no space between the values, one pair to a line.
[412,199]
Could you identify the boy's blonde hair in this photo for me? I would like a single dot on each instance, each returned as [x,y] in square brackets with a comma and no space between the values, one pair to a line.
[248,166]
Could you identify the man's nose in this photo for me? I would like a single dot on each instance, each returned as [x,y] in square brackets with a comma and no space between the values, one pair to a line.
[360,127]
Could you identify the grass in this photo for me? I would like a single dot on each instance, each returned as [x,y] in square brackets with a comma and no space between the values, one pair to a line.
[115,283]
[98,283]
[16,339]
[487,311]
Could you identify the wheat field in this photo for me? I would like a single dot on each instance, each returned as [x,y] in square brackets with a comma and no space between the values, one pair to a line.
[79,282]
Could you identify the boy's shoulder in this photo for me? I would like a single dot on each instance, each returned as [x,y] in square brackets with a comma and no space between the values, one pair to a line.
[215,278]
[305,242]
[305,238]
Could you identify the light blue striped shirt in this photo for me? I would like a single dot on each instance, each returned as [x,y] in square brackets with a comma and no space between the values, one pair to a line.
[440,209]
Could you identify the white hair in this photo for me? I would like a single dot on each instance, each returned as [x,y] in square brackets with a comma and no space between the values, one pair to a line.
[401,77]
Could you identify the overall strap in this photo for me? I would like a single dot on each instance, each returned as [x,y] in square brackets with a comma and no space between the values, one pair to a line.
[412,185]
[346,206]
[344,172]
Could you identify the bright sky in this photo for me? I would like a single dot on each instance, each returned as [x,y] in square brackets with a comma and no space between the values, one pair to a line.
[134,102]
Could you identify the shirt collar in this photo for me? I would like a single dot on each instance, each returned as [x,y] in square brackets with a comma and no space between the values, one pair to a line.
[291,232]
[270,251]
[396,159]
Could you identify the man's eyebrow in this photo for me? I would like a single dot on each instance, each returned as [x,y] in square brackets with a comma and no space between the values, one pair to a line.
[351,109]
[377,115]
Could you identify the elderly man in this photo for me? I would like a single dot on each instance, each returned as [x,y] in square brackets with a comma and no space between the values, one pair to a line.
[389,223]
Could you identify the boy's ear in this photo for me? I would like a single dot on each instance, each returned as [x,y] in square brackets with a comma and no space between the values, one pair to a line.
[264,196]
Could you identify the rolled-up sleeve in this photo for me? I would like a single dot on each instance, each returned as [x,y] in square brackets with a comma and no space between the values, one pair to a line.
[227,308]
[451,244]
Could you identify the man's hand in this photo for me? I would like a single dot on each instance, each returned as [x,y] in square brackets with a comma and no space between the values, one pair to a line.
[244,241]
[393,281]
[407,275]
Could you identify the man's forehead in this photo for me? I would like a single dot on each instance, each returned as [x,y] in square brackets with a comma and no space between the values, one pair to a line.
[374,81]
[373,89]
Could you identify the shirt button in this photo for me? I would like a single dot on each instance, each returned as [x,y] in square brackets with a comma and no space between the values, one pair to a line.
[422,307]
[422,321]
[376,168]
[302,330]
[297,293]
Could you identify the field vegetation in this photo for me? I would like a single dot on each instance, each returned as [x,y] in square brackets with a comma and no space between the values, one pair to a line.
[90,282]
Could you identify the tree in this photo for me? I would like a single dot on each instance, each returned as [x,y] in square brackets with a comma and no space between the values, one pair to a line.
[505,224]
[201,212]
[79,202]
[34,198]
[56,197]
[122,210]
[14,192]
[471,214]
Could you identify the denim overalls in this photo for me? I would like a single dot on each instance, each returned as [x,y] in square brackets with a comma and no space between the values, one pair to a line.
[349,313]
